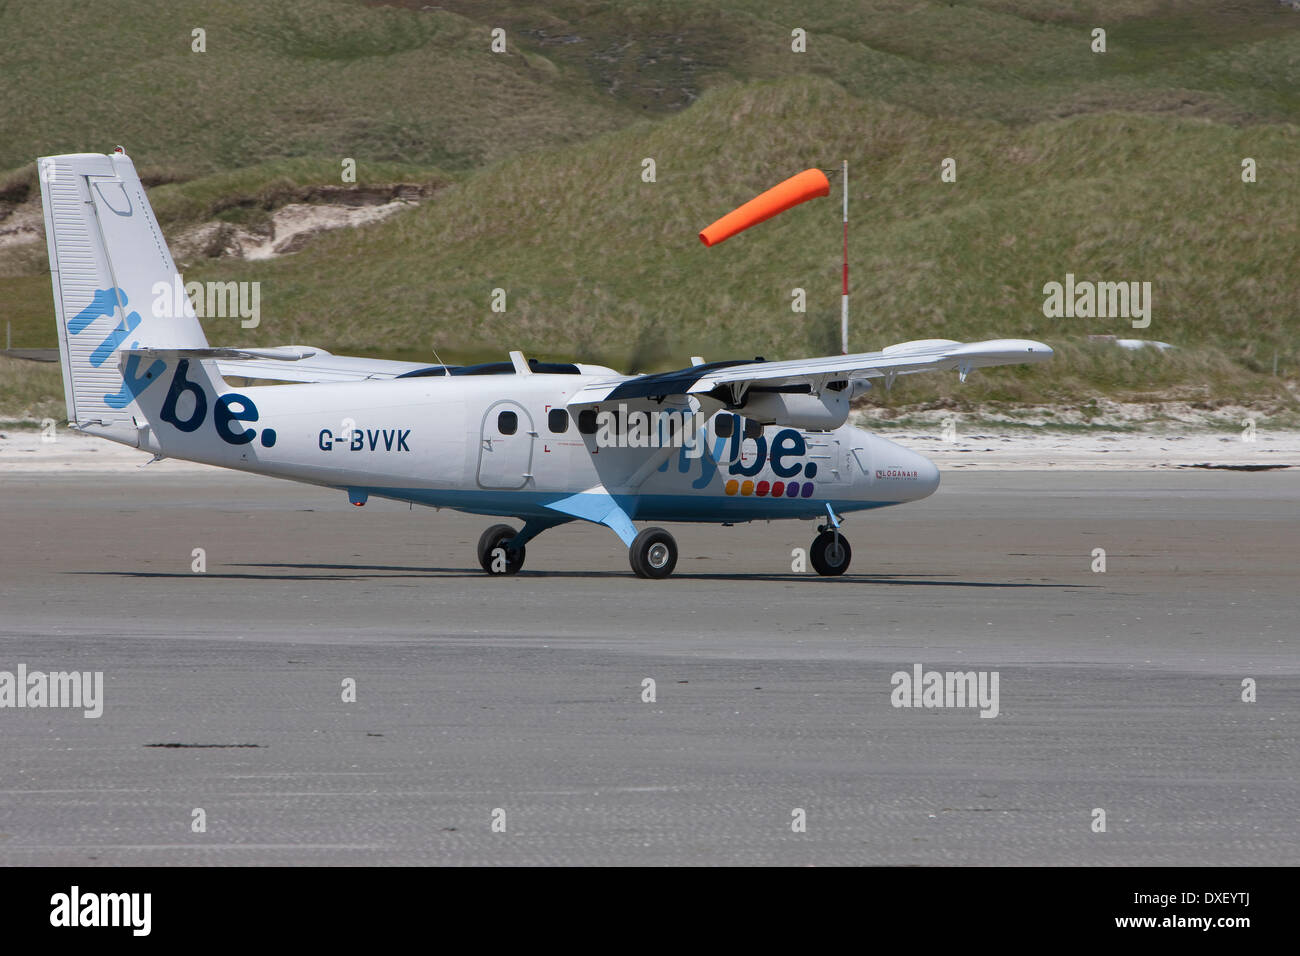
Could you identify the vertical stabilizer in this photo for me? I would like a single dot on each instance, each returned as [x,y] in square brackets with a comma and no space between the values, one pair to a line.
[112,276]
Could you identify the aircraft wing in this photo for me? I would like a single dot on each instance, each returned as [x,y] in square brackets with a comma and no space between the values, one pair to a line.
[292,363]
[728,381]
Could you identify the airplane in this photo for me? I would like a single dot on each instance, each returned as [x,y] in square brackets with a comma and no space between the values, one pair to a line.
[544,443]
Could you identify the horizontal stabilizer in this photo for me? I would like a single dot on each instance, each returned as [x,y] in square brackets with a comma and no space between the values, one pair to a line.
[286,363]
[283,353]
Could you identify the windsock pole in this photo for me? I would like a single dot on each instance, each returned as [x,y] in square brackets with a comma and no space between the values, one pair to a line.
[844,297]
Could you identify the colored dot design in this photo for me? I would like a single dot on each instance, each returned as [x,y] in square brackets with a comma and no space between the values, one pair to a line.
[776,489]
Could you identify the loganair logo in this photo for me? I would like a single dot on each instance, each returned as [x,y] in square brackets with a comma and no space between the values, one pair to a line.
[896,473]
[107,302]
[782,457]
[230,411]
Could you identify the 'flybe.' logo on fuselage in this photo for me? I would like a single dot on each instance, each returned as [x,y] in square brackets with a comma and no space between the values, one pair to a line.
[230,411]
[107,302]
[783,456]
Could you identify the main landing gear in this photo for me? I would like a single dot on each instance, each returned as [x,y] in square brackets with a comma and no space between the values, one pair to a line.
[653,553]
[497,553]
[501,550]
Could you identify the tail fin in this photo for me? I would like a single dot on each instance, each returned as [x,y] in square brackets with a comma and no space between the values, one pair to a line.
[109,265]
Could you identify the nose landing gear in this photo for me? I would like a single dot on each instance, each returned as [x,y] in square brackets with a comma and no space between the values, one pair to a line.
[830,552]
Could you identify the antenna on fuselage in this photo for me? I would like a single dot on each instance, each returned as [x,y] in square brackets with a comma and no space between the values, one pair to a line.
[439,358]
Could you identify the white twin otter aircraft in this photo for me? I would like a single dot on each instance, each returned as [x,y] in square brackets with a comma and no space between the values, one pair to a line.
[545,443]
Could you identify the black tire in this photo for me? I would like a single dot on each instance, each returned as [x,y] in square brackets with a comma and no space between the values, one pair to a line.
[493,538]
[830,553]
[653,553]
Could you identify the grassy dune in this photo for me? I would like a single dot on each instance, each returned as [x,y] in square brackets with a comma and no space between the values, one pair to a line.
[1011,60]
[280,79]
[1122,166]
[30,392]
[597,262]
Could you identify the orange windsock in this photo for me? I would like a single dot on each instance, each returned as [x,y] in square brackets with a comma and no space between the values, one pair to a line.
[809,184]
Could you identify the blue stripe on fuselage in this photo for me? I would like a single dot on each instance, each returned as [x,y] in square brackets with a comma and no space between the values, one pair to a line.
[646,507]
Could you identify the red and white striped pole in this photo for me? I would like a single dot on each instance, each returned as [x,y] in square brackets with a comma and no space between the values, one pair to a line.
[844,297]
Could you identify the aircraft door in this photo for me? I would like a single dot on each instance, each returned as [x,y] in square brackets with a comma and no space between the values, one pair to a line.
[505,457]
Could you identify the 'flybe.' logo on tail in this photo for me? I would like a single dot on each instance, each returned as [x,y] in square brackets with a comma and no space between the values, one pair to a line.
[106,302]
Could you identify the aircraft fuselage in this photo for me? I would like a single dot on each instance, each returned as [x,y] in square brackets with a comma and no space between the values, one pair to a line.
[506,445]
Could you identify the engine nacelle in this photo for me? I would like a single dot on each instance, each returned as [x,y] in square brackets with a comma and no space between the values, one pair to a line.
[823,412]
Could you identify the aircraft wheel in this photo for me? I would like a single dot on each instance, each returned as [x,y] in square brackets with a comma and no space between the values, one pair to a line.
[653,553]
[494,538]
[830,553]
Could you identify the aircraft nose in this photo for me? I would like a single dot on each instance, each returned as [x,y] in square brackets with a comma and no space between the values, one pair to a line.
[901,474]
[927,477]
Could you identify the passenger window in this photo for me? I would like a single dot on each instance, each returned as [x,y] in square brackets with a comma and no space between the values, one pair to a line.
[722,426]
[753,429]
[507,423]
[587,421]
[558,421]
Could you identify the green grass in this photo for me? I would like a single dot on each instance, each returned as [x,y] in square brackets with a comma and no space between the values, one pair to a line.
[280,79]
[971,425]
[398,82]
[599,264]
[30,392]
[1015,62]
[1122,166]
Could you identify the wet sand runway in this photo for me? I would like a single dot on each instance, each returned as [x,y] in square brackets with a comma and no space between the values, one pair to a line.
[1118,690]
